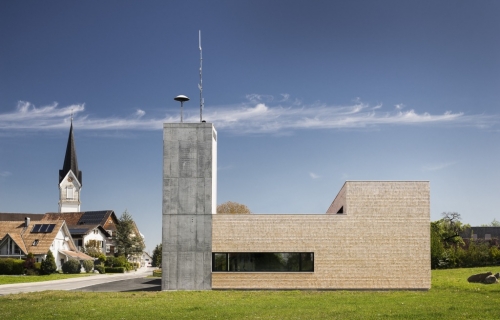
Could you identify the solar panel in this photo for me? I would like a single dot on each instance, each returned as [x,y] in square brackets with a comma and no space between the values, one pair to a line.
[92,217]
[43,228]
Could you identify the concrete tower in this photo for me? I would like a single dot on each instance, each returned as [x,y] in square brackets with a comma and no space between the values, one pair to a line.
[70,178]
[189,200]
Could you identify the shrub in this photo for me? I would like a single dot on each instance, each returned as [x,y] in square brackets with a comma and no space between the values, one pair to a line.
[38,266]
[11,266]
[120,261]
[100,268]
[48,264]
[71,266]
[101,259]
[29,263]
[88,265]
[114,270]
[157,273]
[109,262]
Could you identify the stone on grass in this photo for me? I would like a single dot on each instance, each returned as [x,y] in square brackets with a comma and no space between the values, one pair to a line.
[479,277]
[490,280]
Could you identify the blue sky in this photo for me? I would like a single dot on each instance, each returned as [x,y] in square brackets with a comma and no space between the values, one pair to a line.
[304,95]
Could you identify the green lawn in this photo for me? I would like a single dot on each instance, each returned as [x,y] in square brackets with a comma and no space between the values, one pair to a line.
[451,297]
[55,276]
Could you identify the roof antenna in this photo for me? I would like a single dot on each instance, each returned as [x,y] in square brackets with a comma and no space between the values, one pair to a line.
[200,85]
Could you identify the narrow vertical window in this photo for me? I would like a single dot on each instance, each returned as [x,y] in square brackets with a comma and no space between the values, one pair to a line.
[69,193]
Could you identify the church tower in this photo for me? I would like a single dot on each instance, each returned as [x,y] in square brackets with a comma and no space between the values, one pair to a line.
[70,178]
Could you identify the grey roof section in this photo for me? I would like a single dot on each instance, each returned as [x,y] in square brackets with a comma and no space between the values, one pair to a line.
[4,216]
[94,217]
[481,232]
[70,160]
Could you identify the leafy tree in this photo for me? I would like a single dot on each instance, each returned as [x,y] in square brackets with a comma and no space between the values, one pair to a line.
[93,248]
[129,241]
[233,207]
[157,256]
[48,265]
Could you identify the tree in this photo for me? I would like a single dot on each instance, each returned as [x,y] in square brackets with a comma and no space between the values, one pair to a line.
[494,223]
[129,241]
[233,207]
[157,256]
[48,265]
[445,239]
[93,248]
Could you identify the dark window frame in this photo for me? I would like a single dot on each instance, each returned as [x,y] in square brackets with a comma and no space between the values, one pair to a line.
[226,257]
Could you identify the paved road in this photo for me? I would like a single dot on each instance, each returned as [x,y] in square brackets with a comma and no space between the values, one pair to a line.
[132,281]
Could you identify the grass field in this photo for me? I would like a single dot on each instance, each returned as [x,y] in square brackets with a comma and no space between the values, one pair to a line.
[55,276]
[451,297]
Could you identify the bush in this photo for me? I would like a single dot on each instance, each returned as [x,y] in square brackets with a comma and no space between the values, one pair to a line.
[114,270]
[29,263]
[71,266]
[38,266]
[100,268]
[11,266]
[48,264]
[157,273]
[109,262]
[120,261]
[102,259]
[88,265]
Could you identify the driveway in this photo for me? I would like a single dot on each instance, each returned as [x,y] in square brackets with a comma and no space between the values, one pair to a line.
[131,281]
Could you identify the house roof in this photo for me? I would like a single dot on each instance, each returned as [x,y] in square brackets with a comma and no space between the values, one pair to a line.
[25,238]
[76,255]
[70,160]
[90,218]
[71,218]
[5,216]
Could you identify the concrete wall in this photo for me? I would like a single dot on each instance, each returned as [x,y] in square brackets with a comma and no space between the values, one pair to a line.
[189,200]
[382,241]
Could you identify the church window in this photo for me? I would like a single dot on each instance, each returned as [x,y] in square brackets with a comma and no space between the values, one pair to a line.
[69,193]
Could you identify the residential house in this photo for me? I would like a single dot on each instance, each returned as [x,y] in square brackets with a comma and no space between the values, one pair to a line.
[90,225]
[20,238]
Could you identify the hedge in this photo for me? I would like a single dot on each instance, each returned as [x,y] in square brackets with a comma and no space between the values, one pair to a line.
[157,273]
[114,270]
[11,266]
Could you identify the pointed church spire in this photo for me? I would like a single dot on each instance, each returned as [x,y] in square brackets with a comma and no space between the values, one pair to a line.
[70,161]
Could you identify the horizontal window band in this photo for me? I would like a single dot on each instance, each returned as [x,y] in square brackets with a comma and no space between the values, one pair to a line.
[271,262]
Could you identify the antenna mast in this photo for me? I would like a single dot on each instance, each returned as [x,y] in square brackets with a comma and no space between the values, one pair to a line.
[200,85]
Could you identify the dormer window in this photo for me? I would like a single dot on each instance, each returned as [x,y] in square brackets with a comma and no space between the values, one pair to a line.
[70,193]
[35,243]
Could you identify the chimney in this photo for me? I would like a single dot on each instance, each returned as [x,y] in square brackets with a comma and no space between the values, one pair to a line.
[27,222]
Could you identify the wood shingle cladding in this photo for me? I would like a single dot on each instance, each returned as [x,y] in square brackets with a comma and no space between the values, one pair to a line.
[380,241]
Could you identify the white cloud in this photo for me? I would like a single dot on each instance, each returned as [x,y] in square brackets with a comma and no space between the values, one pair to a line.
[313,175]
[140,113]
[258,114]
[4,174]
[436,167]
[399,106]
